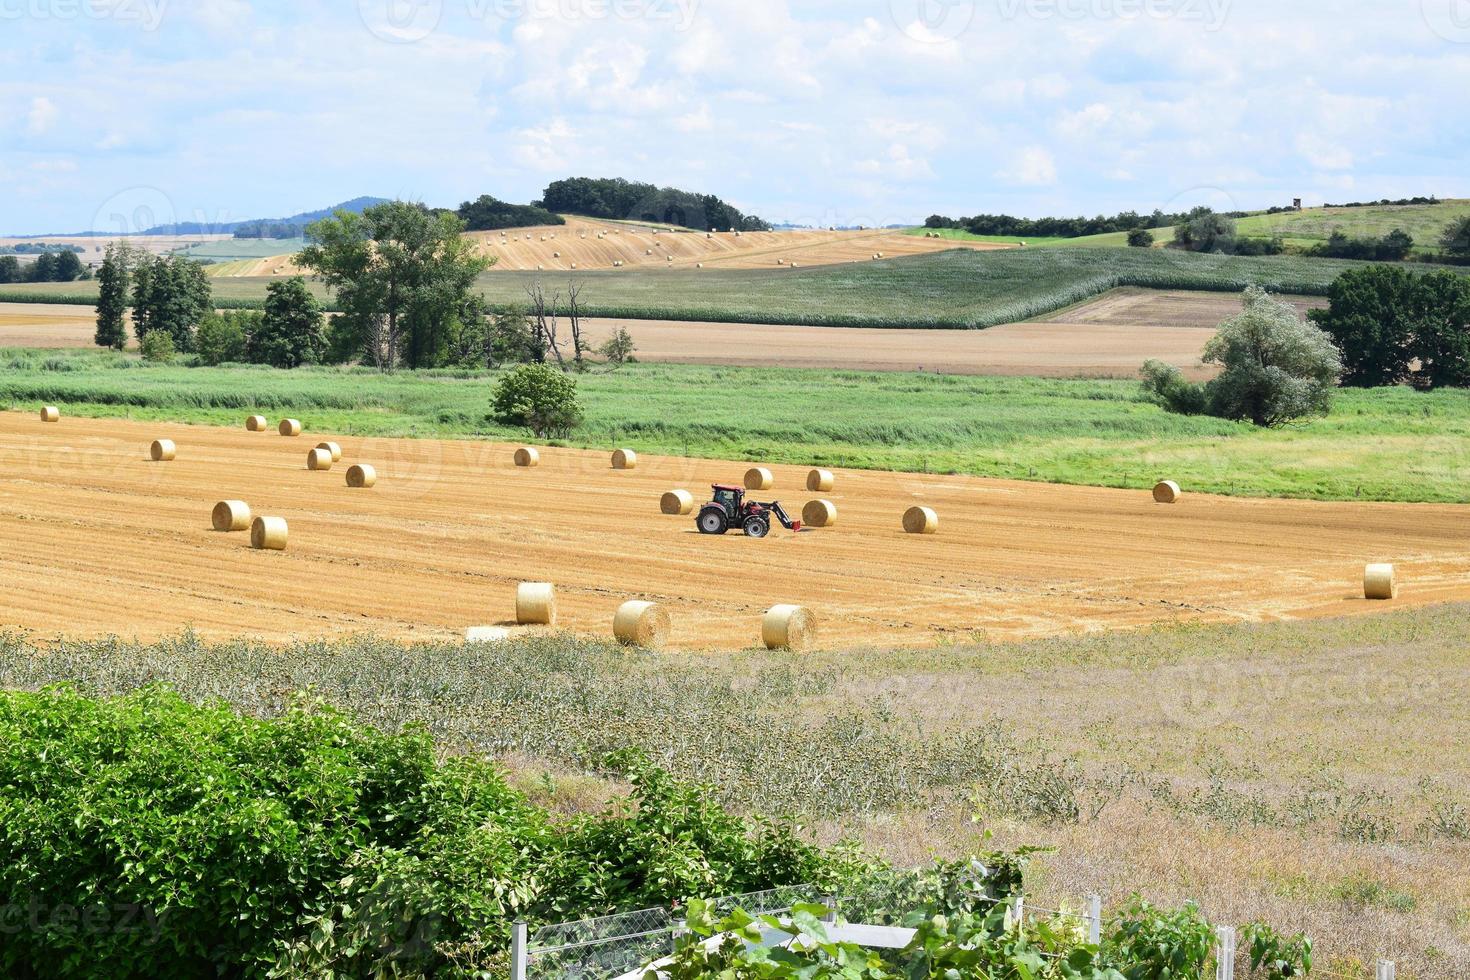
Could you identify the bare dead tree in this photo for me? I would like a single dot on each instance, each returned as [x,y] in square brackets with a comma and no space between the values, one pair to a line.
[544,325]
[578,348]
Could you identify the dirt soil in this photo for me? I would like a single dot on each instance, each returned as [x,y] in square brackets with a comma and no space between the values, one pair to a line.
[95,539]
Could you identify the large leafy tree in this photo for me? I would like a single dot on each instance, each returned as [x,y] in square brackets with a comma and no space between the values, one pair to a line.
[1441,331]
[1456,240]
[402,275]
[114,279]
[290,334]
[170,294]
[1275,367]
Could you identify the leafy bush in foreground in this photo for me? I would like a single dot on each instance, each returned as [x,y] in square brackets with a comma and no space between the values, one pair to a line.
[144,836]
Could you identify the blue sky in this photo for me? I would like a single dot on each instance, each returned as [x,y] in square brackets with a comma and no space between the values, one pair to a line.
[810,111]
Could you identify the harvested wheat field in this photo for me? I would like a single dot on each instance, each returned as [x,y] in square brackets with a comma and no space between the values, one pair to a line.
[591,244]
[46,325]
[95,539]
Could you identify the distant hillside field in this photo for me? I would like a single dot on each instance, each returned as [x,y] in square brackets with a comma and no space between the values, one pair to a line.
[957,289]
[1426,222]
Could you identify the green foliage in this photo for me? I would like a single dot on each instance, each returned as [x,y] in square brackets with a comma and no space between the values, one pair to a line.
[633,201]
[619,348]
[222,337]
[290,333]
[1203,230]
[1456,238]
[1166,385]
[1140,238]
[1276,957]
[402,277]
[157,347]
[1147,943]
[1393,326]
[114,282]
[539,397]
[486,213]
[1275,368]
[170,295]
[147,837]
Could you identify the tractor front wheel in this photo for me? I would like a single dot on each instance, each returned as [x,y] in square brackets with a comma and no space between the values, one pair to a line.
[756,527]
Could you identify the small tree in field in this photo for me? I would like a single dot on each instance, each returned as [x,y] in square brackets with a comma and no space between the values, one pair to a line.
[291,332]
[220,339]
[1140,238]
[539,397]
[1456,240]
[1276,367]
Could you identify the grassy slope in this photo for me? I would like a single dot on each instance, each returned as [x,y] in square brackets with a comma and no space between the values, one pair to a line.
[1377,445]
[1425,222]
[243,248]
[1114,239]
[961,288]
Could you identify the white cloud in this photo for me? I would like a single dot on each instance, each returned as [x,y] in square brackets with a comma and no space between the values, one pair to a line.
[1033,166]
[543,148]
[1324,154]
[41,116]
[698,121]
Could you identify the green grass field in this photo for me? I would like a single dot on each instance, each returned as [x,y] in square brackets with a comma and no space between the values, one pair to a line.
[1386,444]
[1425,222]
[956,289]
[1113,239]
[234,249]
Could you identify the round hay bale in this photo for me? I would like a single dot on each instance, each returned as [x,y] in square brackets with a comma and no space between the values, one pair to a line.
[791,628]
[268,534]
[699,265]
[255,423]
[289,427]
[677,503]
[486,634]
[1380,582]
[642,624]
[556,255]
[332,448]
[820,481]
[361,476]
[50,414]
[536,604]
[526,456]
[162,450]
[625,459]
[319,459]
[920,520]
[758,478]
[1167,492]
[230,515]
[819,513]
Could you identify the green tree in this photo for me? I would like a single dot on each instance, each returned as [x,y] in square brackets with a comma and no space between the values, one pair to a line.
[539,397]
[291,332]
[402,276]
[114,280]
[619,348]
[1204,230]
[1371,317]
[221,338]
[10,269]
[1140,238]
[170,294]
[158,347]
[1275,367]
[1441,331]
[1456,239]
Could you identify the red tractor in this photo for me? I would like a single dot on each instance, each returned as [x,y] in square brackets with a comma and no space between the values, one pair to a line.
[729,508]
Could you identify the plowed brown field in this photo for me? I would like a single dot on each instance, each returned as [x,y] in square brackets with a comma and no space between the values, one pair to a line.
[94,539]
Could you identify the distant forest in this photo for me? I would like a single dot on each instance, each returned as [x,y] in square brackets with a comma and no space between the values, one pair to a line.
[618,199]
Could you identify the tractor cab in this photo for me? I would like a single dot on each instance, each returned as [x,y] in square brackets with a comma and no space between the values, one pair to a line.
[731,499]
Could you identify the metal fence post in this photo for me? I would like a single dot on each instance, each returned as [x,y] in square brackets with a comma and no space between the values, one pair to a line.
[1094,919]
[1387,970]
[1225,954]
[518,958]
[830,901]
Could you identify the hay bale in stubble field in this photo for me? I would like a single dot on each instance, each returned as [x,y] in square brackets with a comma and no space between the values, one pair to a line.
[820,481]
[920,520]
[361,476]
[526,456]
[625,459]
[758,478]
[791,628]
[230,515]
[332,448]
[1380,582]
[536,604]
[819,513]
[162,450]
[50,414]
[255,423]
[268,534]
[642,624]
[677,503]
[319,459]
[289,427]
[1167,492]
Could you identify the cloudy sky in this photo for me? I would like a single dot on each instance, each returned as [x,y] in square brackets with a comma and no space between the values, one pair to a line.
[810,111]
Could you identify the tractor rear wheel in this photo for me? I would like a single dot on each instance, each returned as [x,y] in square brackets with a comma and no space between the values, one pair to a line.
[757,527]
[712,521]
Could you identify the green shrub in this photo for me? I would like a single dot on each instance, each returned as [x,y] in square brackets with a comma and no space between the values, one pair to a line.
[220,339]
[157,346]
[1140,238]
[539,397]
